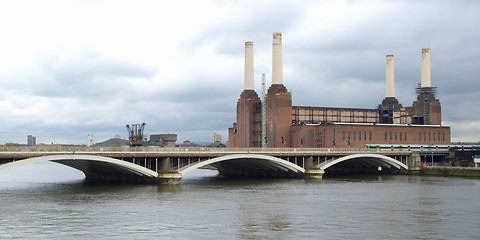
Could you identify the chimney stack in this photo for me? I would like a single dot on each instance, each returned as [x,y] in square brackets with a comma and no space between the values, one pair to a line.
[248,84]
[426,72]
[390,77]
[277,71]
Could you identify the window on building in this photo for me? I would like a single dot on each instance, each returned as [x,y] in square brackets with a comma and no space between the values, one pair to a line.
[419,136]
[395,136]
[359,135]
[438,136]
[433,136]
[425,136]
[343,134]
[348,135]
[365,135]
[390,136]
[386,136]
[443,136]
[405,136]
[429,136]
[354,135]
[370,135]
[400,136]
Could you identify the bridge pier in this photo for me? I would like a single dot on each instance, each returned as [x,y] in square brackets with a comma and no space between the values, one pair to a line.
[313,173]
[165,174]
[169,177]
[310,171]
[414,163]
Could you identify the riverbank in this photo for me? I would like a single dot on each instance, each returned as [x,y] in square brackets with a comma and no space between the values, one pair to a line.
[450,171]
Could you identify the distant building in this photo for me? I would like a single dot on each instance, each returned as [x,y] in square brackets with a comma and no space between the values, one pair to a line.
[217,138]
[90,140]
[31,140]
[163,140]
[113,142]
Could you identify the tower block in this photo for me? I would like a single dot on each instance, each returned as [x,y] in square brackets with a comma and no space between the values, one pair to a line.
[279,116]
[389,104]
[249,120]
[246,132]
[427,109]
[278,102]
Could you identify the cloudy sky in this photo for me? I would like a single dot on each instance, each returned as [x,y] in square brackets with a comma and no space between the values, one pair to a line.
[69,68]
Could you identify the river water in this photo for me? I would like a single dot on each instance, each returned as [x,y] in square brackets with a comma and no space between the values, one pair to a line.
[49,201]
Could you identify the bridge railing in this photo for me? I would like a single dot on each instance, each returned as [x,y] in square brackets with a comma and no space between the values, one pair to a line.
[71,148]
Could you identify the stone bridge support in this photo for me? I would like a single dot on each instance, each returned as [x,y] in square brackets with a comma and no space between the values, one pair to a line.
[414,162]
[311,171]
[165,174]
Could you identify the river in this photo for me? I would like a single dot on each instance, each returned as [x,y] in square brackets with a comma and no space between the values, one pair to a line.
[50,201]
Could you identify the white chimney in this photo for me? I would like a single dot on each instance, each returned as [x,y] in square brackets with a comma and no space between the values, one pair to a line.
[248,84]
[426,72]
[390,77]
[277,71]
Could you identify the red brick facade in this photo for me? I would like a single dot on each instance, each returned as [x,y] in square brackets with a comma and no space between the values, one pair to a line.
[278,116]
[246,132]
[292,126]
[343,135]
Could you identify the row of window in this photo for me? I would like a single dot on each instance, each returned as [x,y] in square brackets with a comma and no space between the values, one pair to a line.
[393,136]
[436,137]
[354,133]
[396,134]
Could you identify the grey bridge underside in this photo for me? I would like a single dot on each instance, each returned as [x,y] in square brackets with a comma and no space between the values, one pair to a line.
[110,169]
[248,164]
[364,162]
[95,167]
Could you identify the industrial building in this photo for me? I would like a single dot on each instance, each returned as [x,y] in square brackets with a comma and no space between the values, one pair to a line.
[274,122]
[163,140]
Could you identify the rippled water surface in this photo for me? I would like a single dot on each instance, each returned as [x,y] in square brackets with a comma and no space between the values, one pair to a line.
[45,200]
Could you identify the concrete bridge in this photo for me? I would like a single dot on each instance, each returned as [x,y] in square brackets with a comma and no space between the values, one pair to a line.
[169,165]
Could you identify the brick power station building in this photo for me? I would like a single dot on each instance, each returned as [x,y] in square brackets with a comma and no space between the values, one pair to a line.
[285,125]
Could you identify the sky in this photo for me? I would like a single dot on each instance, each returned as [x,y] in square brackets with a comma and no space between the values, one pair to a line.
[70,68]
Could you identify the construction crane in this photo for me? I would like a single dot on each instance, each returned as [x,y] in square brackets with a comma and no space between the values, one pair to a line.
[135,134]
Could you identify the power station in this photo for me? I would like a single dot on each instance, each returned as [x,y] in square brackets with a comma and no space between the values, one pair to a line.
[285,125]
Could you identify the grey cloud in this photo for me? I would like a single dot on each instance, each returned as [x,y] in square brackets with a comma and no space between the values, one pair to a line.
[344,67]
[89,76]
[257,21]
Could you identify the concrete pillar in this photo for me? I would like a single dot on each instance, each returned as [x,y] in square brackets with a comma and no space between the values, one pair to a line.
[414,162]
[277,69]
[426,71]
[163,164]
[248,84]
[165,175]
[312,172]
[308,162]
[390,77]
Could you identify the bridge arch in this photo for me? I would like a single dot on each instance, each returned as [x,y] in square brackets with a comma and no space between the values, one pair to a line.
[95,167]
[248,163]
[364,160]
